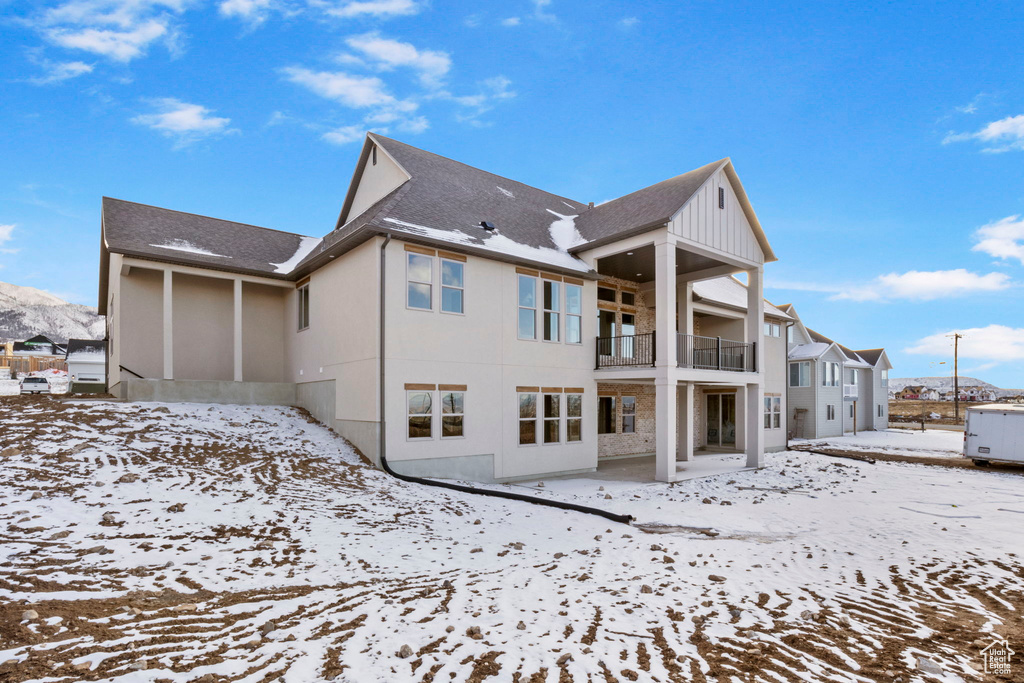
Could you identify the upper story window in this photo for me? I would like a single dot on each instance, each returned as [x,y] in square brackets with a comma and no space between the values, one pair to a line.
[789,334]
[573,314]
[552,307]
[800,374]
[628,298]
[527,307]
[885,378]
[303,294]
[606,294]
[830,374]
[772,330]
[420,276]
[853,377]
[453,286]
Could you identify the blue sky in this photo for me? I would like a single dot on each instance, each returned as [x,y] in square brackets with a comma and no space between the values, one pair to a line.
[881,145]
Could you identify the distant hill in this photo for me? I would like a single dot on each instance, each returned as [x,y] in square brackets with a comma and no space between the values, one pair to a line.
[26,312]
[946,384]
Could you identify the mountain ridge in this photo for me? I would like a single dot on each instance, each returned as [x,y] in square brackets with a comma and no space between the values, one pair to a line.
[946,384]
[27,311]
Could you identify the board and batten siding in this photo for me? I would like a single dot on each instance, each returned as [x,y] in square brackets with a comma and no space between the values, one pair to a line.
[726,231]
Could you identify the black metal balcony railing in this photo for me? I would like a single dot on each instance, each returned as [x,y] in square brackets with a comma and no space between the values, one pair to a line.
[692,351]
[625,351]
[715,353]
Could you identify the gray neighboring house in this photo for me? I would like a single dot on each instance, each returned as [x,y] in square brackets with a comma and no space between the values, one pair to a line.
[833,389]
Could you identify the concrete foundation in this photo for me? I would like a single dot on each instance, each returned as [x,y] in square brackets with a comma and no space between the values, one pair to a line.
[363,435]
[478,468]
[209,391]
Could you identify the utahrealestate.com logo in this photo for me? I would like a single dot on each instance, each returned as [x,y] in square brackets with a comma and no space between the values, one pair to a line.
[997,657]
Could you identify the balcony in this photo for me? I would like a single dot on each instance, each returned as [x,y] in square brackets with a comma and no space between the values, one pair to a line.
[850,391]
[692,351]
[715,353]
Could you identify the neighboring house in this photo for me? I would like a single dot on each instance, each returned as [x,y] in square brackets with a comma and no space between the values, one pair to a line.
[39,345]
[463,324]
[87,366]
[834,389]
[910,393]
[928,394]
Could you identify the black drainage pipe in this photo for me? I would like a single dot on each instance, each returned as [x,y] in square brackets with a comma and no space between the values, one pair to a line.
[508,495]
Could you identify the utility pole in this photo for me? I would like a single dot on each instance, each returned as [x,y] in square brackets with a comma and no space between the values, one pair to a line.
[956,375]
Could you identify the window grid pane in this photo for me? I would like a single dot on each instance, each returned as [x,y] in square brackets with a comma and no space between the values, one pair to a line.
[420,410]
[527,307]
[527,419]
[452,286]
[552,306]
[420,274]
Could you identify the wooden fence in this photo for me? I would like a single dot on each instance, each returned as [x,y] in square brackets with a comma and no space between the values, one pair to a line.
[24,364]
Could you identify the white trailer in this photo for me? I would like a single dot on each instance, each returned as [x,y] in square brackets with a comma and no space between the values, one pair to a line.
[994,433]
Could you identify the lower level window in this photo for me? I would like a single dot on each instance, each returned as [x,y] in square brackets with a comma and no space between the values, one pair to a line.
[851,410]
[552,418]
[880,410]
[527,419]
[421,414]
[452,413]
[573,417]
[830,412]
[776,412]
[628,414]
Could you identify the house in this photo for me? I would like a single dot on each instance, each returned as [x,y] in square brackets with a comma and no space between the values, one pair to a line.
[87,366]
[928,394]
[910,393]
[462,324]
[834,388]
[39,346]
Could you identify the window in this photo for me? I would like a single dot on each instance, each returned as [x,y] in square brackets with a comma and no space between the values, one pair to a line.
[303,307]
[789,334]
[627,328]
[421,414]
[573,314]
[606,415]
[552,305]
[374,154]
[721,198]
[628,298]
[851,410]
[452,286]
[573,417]
[880,410]
[772,330]
[885,378]
[830,412]
[829,374]
[776,412]
[853,377]
[452,414]
[420,274]
[527,307]
[800,374]
[605,294]
[552,418]
[628,414]
[527,419]
[767,412]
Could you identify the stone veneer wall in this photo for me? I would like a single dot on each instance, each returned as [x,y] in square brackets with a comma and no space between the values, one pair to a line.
[640,442]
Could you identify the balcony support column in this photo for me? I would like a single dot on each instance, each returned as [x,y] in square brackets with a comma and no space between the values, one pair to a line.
[665,416]
[686,422]
[665,302]
[754,403]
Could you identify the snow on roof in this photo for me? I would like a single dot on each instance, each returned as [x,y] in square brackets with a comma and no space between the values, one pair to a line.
[731,292]
[808,351]
[187,247]
[306,245]
[501,244]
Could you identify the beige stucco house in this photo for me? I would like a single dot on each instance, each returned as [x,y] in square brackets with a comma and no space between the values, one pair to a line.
[466,325]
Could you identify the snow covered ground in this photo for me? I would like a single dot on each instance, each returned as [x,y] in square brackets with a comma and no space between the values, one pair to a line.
[177,542]
[934,443]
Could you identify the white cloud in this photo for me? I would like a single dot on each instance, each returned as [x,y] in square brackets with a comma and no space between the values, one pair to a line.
[996,343]
[373,8]
[1004,135]
[344,135]
[628,22]
[183,121]
[254,12]
[432,65]
[511,21]
[1003,239]
[927,285]
[6,234]
[121,30]
[57,72]
[357,92]
[540,11]
[913,285]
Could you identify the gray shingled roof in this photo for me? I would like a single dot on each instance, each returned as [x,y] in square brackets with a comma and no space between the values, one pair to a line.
[646,208]
[151,232]
[871,355]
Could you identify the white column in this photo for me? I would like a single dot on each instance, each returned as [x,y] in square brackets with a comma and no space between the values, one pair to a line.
[665,427]
[754,436]
[665,302]
[238,330]
[755,314]
[168,324]
[685,418]
[741,419]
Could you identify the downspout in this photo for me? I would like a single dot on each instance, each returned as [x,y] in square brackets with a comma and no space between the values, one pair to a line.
[382,444]
[785,377]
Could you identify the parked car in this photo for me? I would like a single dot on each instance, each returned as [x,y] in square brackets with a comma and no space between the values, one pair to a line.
[35,385]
